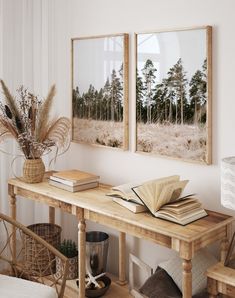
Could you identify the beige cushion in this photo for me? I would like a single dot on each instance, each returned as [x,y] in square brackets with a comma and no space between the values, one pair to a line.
[12,287]
[201,261]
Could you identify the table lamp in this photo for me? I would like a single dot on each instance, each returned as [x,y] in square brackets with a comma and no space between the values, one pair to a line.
[228,193]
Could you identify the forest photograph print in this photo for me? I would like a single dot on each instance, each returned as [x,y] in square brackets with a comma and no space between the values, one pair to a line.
[100,90]
[173,94]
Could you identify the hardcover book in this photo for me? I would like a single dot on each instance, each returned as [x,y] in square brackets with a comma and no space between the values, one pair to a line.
[134,207]
[163,199]
[74,177]
[74,188]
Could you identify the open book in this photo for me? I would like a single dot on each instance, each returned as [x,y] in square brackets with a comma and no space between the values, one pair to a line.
[125,196]
[125,192]
[163,199]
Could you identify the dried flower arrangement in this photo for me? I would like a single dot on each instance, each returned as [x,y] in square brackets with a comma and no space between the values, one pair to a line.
[26,118]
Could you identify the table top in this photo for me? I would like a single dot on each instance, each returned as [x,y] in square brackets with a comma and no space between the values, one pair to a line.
[97,201]
[222,273]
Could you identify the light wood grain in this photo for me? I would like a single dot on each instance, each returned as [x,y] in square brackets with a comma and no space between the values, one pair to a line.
[51,215]
[122,259]
[95,201]
[221,279]
[209,94]
[187,279]
[12,201]
[94,205]
[82,254]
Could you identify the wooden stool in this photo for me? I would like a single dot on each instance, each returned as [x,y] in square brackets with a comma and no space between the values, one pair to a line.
[220,279]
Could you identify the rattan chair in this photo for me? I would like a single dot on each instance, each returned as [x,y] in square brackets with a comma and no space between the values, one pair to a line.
[21,267]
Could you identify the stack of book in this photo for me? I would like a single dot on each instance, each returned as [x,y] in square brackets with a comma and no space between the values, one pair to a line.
[162,198]
[74,180]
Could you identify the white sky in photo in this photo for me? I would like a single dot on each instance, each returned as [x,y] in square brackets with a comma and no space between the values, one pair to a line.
[165,49]
[94,59]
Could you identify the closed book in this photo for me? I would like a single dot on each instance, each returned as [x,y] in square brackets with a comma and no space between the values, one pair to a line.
[74,188]
[134,207]
[72,183]
[74,177]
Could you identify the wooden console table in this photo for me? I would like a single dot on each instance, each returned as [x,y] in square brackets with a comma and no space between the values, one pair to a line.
[94,205]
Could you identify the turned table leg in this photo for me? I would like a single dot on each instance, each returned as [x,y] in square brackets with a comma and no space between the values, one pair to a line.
[51,215]
[187,278]
[12,201]
[224,249]
[212,287]
[82,254]
[122,259]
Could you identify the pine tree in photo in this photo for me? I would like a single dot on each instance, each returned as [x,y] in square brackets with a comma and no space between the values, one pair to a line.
[197,94]
[106,100]
[116,96]
[90,100]
[158,110]
[139,97]
[95,106]
[120,107]
[76,99]
[178,81]
[100,104]
[149,79]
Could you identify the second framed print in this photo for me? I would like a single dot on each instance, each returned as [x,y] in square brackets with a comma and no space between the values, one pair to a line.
[173,93]
[100,90]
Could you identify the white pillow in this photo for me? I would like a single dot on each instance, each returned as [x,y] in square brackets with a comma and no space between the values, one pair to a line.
[201,261]
[12,287]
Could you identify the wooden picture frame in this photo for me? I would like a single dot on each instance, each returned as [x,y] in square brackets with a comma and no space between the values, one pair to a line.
[100,90]
[173,93]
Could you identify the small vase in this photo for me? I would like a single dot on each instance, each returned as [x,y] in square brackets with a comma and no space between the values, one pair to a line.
[33,170]
[72,268]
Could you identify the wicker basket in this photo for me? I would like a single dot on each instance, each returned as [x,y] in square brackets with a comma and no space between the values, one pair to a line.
[33,170]
[38,258]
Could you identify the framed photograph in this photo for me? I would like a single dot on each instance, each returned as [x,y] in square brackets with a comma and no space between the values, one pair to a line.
[173,93]
[100,90]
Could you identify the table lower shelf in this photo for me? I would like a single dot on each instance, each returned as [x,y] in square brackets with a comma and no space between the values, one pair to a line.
[115,290]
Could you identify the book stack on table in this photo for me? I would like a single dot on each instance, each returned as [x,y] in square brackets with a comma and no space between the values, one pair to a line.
[74,180]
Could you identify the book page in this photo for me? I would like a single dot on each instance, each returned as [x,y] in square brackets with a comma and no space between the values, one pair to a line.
[170,192]
[150,191]
[199,212]
[125,192]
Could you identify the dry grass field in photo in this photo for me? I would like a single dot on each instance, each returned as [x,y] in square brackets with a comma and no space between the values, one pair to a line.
[107,133]
[180,141]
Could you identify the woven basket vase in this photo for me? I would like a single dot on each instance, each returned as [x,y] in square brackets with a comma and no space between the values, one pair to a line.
[33,170]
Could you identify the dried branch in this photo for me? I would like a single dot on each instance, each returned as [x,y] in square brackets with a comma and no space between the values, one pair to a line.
[58,132]
[7,127]
[12,106]
[42,125]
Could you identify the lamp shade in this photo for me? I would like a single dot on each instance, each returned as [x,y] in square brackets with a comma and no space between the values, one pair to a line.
[228,182]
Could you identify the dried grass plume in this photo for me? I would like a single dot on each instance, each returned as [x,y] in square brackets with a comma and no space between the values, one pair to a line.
[26,118]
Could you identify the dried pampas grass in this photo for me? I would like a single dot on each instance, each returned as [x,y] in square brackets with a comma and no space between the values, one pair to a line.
[27,119]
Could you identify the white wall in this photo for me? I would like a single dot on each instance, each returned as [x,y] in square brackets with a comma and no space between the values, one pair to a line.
[59,20]
[105,17]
